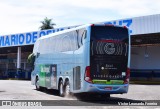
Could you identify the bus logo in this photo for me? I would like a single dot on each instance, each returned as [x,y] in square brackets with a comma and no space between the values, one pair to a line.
[109,48]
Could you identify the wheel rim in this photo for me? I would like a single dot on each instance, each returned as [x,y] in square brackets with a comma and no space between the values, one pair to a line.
[61,89]
[37,84]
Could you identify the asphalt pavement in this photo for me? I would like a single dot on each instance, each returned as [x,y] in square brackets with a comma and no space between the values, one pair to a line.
[17,90]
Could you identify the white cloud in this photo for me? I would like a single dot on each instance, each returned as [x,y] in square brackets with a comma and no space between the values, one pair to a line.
[25,15]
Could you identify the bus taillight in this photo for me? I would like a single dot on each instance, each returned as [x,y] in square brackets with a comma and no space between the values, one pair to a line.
[92,24]
[125,27]
[87,76]
[126,81]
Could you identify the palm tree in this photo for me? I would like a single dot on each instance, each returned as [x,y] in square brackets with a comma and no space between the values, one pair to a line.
[47,24]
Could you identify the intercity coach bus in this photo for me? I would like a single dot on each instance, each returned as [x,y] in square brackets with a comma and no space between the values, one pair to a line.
[93,58]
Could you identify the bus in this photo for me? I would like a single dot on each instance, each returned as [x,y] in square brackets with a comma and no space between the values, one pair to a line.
[93,58]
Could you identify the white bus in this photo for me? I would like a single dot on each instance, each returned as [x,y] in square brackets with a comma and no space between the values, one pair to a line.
[90,58]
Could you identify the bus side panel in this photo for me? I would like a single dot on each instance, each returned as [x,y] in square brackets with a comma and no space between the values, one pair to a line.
[46,70]
[81,57]
[53,77]
[86,60]
[77,78]
[48,75]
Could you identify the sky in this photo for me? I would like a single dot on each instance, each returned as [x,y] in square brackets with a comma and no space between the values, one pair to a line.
[20,16]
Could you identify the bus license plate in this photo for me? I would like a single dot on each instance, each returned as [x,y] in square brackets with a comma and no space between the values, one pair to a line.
[108,88]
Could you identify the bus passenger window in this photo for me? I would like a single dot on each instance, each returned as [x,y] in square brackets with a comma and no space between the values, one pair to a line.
[84,36]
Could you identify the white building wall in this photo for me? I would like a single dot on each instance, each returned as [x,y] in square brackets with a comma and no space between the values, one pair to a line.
[146,24]
[139,25]
[145,58]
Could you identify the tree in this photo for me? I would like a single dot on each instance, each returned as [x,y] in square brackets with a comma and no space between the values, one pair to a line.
[47,24]
[31,60]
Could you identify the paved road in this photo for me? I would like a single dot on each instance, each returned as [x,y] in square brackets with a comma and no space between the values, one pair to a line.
[23,90]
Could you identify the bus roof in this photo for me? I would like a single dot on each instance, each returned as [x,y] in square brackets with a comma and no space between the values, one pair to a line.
[61,32]
[72,29]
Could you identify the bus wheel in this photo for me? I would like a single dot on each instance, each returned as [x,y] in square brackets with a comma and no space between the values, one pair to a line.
[61,88]
[37,84]
[67,88]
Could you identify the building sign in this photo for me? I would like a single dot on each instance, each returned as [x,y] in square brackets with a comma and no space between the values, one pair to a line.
[137,25]
[31,37]
[126,22]
[25,38]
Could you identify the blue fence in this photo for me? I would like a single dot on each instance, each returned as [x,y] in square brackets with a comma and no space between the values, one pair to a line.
[18,75]
[23,75]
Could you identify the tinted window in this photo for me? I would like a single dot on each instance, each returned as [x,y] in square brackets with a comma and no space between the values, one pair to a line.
[108,52]
[109,33]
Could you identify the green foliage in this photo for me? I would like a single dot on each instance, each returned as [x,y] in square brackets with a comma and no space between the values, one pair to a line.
[47,24]
[31,58]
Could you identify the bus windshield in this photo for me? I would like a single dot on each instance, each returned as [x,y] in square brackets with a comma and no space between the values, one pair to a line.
[109,52]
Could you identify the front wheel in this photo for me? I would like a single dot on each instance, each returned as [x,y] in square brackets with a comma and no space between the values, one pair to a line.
[37,84]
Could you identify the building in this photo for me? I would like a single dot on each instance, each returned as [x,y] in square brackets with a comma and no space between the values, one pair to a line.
[145,53]
[14,51]
[145,49]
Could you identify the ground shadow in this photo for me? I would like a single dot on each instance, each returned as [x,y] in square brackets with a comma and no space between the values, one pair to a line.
[2,91]
[101,99]
[49,91]
[87,100]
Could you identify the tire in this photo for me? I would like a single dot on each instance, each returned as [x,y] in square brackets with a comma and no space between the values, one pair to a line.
[67,89]
[37,84]
[61,89]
